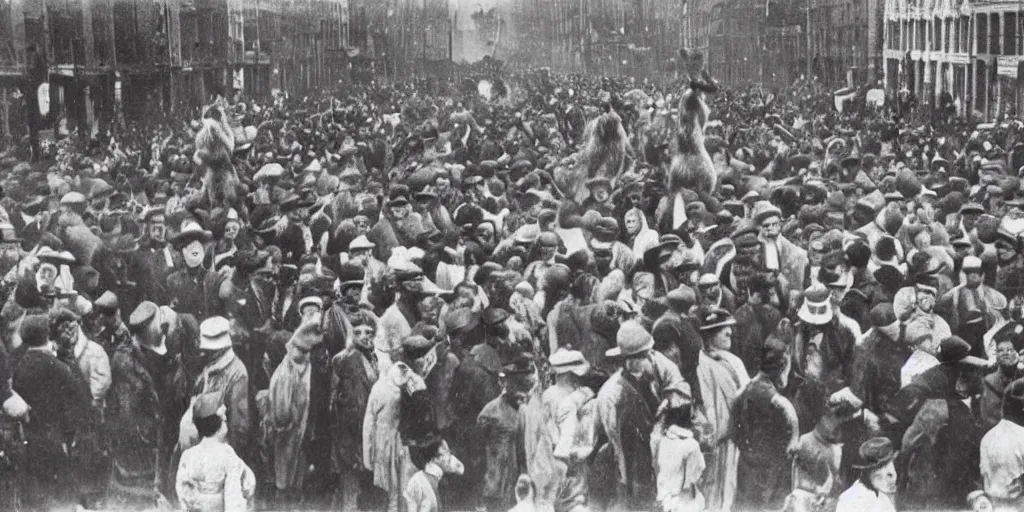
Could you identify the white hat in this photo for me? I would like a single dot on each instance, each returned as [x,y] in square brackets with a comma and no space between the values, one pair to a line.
[311,299]
[214,333]
[361,242]
[972,262]
[817,306]
[565,361]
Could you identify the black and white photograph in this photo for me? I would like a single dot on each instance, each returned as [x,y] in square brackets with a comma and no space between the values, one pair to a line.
[511,256]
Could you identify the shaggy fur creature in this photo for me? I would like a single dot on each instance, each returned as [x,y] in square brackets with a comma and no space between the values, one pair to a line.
[215,142]
[603,154]
[692,167]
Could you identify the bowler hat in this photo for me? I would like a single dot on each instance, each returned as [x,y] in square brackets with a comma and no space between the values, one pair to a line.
[631,339]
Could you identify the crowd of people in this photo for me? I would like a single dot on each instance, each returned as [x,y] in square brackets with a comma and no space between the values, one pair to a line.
[457,296]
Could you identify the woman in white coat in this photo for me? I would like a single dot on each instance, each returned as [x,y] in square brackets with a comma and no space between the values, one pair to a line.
[876,487]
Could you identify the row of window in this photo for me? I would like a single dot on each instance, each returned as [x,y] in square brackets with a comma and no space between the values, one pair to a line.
[994,33]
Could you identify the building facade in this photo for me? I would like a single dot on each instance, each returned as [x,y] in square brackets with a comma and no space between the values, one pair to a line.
[748,41]
[970,51]
[106,60]
[846,41]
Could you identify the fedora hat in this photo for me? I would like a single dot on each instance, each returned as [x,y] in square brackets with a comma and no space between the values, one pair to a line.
[189,233]
[214,334]
[631,339]
[569,361]
[817,306]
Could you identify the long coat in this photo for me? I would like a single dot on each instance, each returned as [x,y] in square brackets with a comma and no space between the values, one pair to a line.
[383,452]
[60,400]
[138,418]
[287,421]
[229,378]
[501,426]
[352,379]
[158,262]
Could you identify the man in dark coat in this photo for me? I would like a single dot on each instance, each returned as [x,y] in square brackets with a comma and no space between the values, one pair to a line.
[60,399]
[144,405]
[765,428]
[759,318]
[677,338]
[1009,340]
[353,373]
[158,258]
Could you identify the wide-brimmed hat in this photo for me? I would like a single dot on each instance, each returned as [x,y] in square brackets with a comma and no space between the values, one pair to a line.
[569,361]
[954,350]
[875,453]
[817,306]
[631,339]
[716,318]
[53,257]
[214,334]
[189,233]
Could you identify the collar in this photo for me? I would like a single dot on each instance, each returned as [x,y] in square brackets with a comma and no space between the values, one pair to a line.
[677,432]
[27,218]
[161,350]
[222,363]
[433,470]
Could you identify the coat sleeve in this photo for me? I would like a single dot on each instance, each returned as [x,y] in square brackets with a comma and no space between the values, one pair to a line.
[237,400]
[99,373]
[369,427]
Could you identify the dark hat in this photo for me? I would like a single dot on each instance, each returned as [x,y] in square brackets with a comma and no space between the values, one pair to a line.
[294,201]
[1013,399]
[954,350]
[716,318]
[142,315]
[399,196]
[1012,332]
[461,320]
[493,316]
[882,315]
[485,271]
[858,254]
[35,330]
[971,208]
[745,240]
[350,275]
[606,228]
[875,453]
[416,346]
[191,232]
[519,373]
